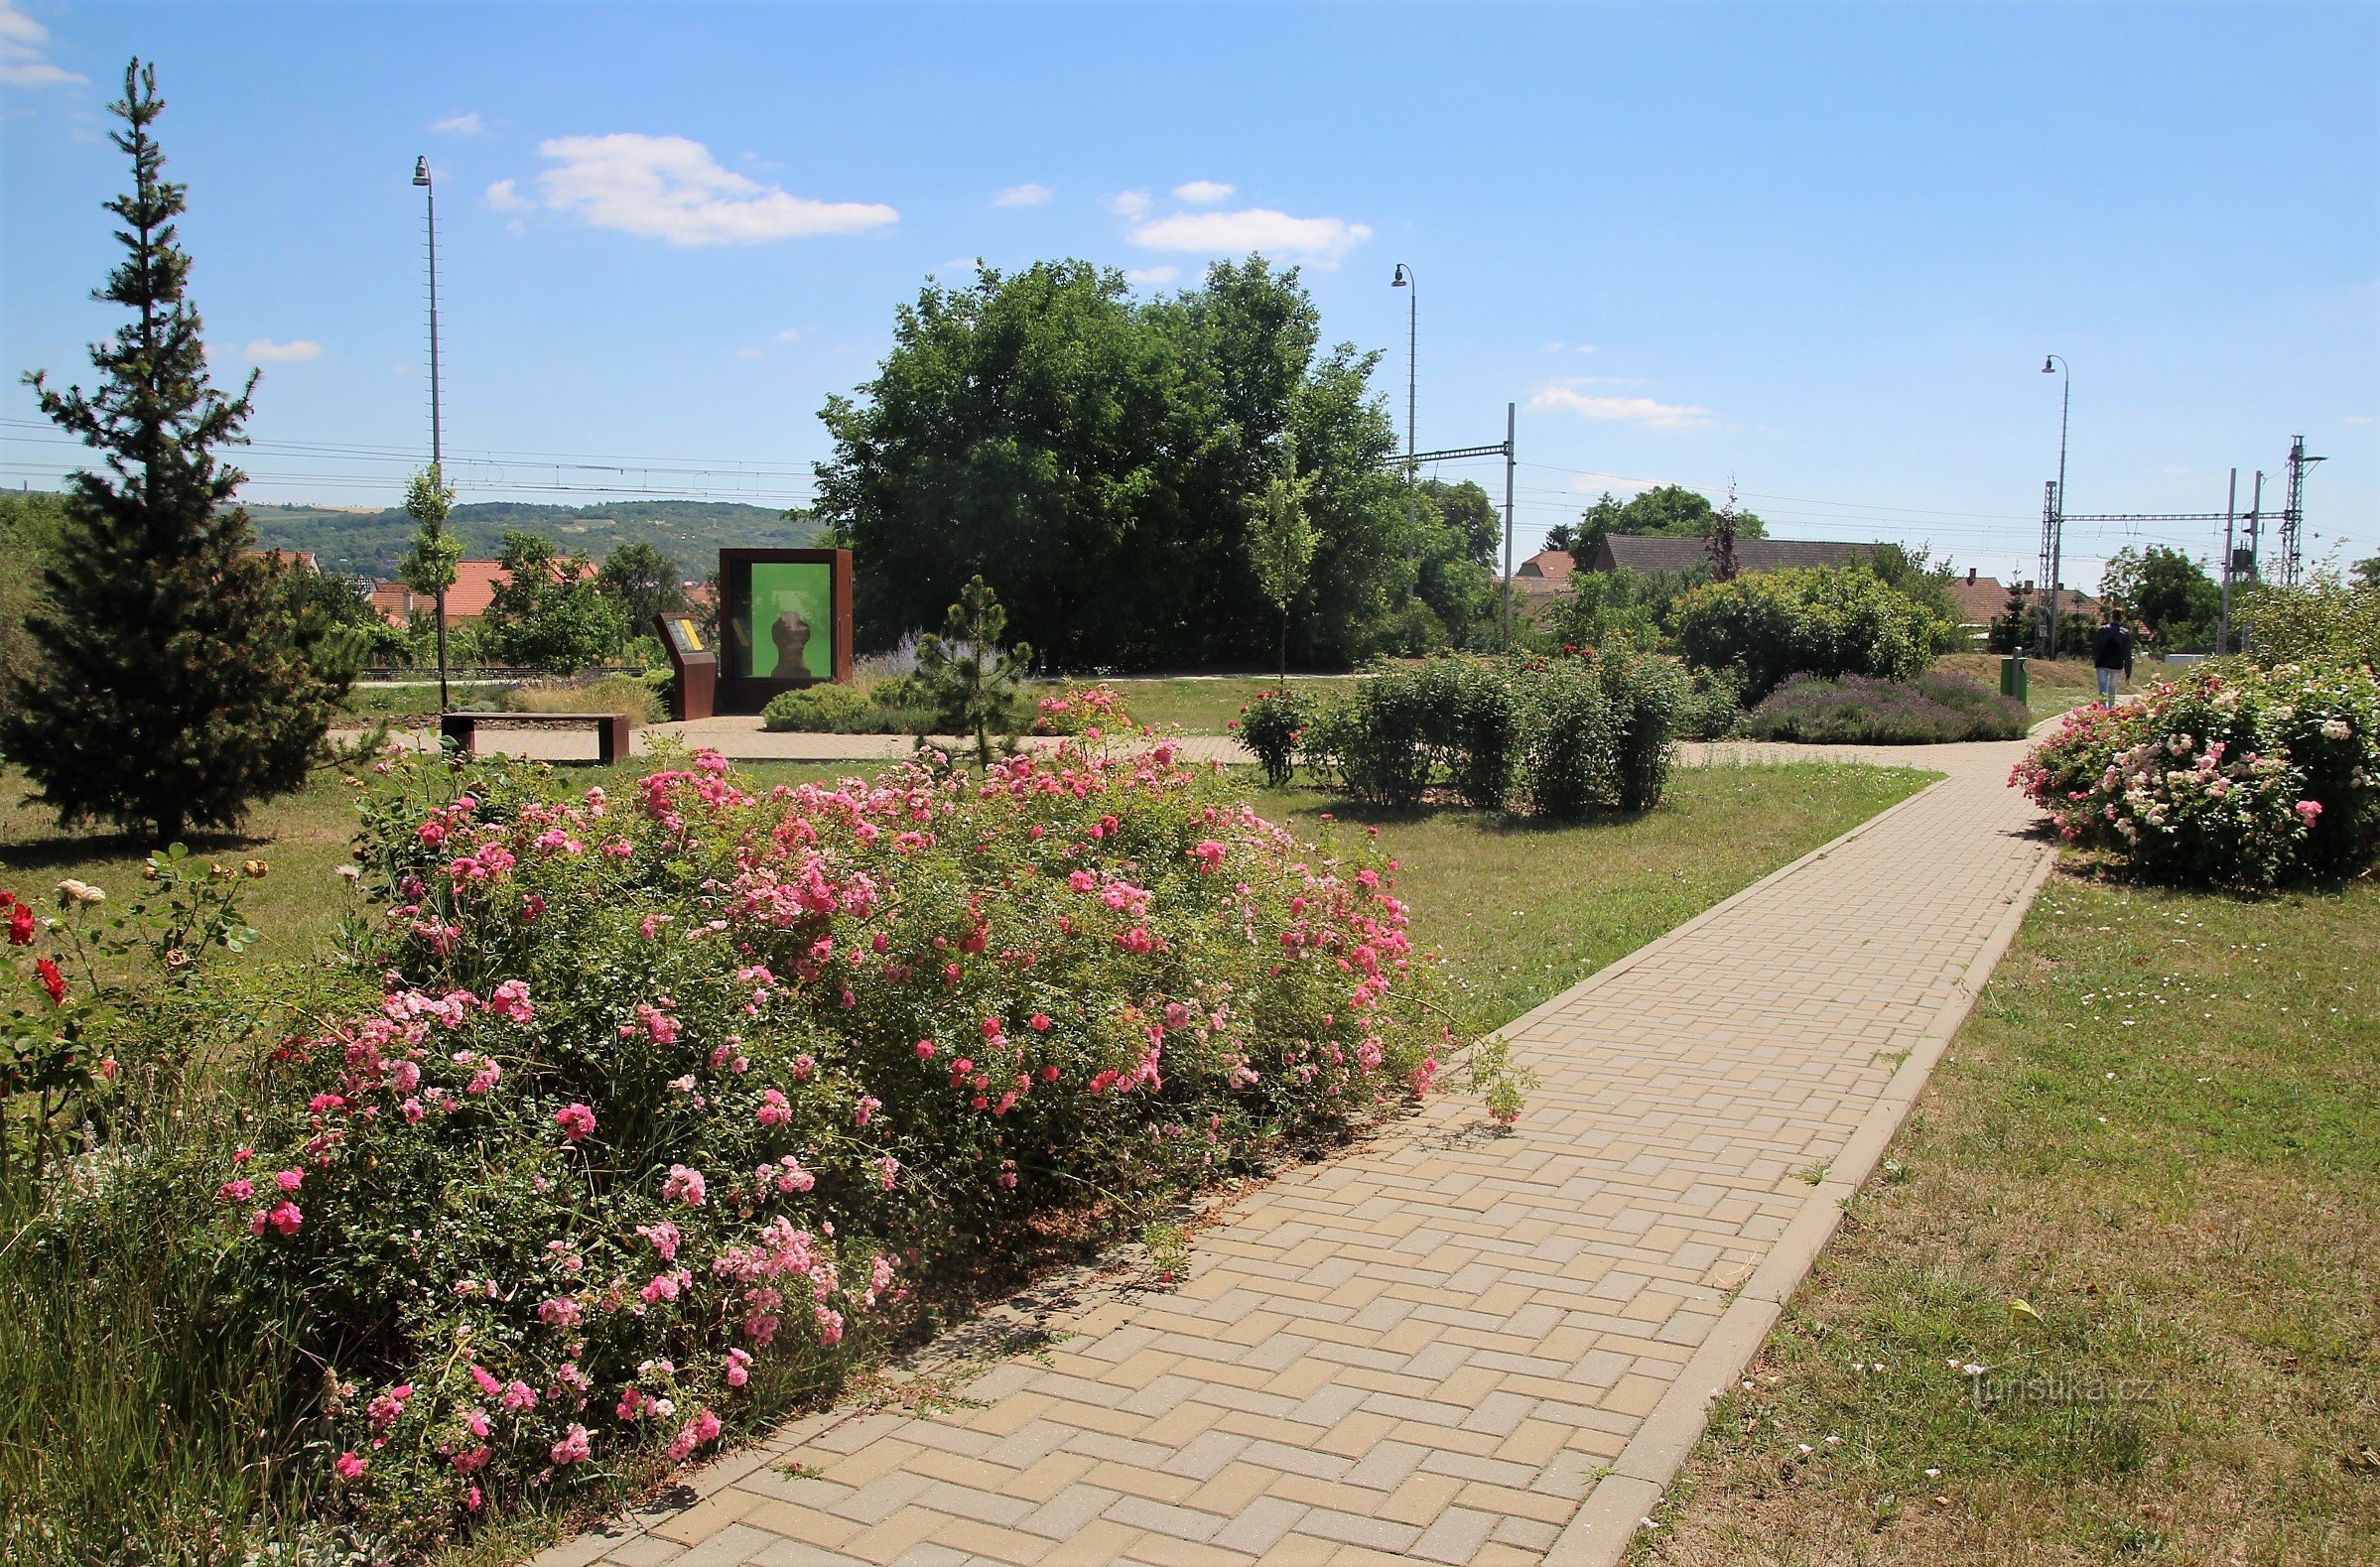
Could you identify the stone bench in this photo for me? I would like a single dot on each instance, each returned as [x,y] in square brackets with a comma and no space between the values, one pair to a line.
[611,729]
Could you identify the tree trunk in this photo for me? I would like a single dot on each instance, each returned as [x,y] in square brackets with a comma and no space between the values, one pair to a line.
[1285,676]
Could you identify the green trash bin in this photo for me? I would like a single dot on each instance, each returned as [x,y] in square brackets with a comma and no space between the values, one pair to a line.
[2012,676]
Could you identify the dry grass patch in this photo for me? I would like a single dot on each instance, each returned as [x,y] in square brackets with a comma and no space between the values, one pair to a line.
[2161,1132]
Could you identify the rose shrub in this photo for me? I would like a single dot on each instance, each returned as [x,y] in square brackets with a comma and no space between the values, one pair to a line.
[662,1094]
[1075,709]
[2234,775]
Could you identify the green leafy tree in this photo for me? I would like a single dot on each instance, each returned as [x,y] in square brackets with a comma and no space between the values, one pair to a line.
[1090,455]
[430,559]
[1280,542]
[1924,582]
[644,582]
[2166,591]
[171,689]
[32,522]
[1840,620]
[2326,615]
[548,613]
[1620,608]
[974,685]
[1665,510]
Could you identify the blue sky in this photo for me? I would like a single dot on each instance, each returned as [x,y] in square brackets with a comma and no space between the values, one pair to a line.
[1820,248]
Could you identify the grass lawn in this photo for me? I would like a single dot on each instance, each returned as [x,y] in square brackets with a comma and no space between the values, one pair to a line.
[1526,911]
[2161,1131]
[2050,687]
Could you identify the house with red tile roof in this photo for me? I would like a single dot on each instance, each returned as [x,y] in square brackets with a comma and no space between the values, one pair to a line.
[475,585]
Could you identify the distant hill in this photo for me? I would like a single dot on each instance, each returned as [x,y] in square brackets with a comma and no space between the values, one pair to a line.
[690,532]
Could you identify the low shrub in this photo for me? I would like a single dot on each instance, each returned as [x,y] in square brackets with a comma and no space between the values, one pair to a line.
[1771,625]
[663,1098]
[1646,694]
[1274,725]
[1573,742]
[632,695]
[1852,710]
[1556,736]
[1378,739]
[823,709]
[1713,705]
[2233,775]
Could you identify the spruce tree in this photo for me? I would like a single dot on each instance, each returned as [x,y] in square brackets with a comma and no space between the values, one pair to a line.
[172,690]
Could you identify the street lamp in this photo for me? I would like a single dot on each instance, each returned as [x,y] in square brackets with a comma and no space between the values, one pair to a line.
[1404,280]
[2055,364]
[421,177]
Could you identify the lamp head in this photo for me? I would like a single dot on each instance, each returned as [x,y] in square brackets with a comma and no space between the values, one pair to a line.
[2049,364]
[421,171]
[1402,279]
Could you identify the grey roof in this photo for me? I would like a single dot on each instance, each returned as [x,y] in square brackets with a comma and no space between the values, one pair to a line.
[1648,553]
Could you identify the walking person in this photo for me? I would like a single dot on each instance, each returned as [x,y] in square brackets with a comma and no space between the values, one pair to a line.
[2111,654]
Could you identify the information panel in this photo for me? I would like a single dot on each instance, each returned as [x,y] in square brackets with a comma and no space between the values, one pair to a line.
[785,621]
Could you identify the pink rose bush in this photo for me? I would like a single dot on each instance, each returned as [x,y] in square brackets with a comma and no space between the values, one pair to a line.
[1092,712]
[2236,776]
[667,1103]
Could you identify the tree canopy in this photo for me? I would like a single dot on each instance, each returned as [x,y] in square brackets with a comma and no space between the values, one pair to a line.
[1665,510]
[1095,458]
[2166,591]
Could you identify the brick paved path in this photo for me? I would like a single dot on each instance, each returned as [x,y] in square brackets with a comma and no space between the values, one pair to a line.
[1444,1345]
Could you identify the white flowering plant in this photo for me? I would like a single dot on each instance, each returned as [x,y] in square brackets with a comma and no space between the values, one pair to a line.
[2235,775]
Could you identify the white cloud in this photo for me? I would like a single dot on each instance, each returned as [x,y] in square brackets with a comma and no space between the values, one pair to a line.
[2357,419]
[1325,241]
[788,335]
[668,188]
[1617,484]
[24,52]
[1156,275]
[1130,203]
[2176,472]
[1640,411]
[290,352]
[505,196]
[462,125]
[747,353]
[1555,347]
[1587,347]
[400,369]
[1026,195]
[1202,192]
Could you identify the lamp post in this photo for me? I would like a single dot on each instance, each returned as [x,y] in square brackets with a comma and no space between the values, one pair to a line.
[2055,364]
[1404,280]
[421,176]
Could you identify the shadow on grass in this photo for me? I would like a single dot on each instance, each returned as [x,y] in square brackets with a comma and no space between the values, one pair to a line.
[59,847]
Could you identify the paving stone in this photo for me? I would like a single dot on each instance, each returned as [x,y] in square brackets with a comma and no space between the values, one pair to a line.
[1438,1346]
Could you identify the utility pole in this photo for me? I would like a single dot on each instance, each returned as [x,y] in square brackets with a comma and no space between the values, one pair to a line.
[2292,513]
[1412,379]
[2255,548]
[2048,598]
[2053,520]
[421,176]
[1508,414]
[2222,631]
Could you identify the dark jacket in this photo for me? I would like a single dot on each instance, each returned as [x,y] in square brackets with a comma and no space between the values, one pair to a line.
[2111,648]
